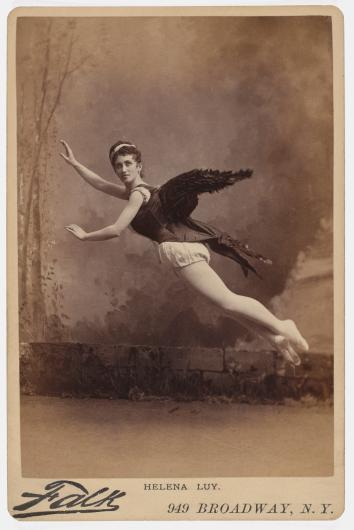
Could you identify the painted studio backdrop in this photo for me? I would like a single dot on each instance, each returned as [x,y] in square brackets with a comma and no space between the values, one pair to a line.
[190,92]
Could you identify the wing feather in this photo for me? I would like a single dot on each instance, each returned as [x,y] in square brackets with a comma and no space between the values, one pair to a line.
[179,195]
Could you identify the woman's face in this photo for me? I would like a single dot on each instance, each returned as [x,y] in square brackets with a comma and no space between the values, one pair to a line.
[127,168]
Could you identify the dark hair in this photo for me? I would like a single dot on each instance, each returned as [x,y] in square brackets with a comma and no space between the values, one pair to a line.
[126,150]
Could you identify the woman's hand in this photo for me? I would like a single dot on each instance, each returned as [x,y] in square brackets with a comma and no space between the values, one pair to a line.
[77,231]
[69,155]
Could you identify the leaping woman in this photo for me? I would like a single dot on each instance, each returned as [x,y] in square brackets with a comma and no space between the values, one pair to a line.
[162,214]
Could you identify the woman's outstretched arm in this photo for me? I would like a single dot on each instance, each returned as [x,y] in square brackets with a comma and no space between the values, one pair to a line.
[92,178]
[114,230]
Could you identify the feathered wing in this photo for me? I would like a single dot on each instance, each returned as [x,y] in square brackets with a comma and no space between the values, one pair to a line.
[179,195]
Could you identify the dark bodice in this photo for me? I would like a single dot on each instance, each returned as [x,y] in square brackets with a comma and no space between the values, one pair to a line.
[151,222]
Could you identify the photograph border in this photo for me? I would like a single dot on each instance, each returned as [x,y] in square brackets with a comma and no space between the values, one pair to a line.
[316,488]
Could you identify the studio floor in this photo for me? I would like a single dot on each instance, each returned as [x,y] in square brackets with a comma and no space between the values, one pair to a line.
[119,438]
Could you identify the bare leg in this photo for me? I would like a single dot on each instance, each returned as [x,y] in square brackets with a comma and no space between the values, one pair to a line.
[205,280]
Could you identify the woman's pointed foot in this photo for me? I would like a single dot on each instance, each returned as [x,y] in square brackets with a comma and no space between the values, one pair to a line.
[295,359]
[296,340]
[286,350]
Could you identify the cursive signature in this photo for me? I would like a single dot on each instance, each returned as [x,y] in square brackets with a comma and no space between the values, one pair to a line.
[67,496]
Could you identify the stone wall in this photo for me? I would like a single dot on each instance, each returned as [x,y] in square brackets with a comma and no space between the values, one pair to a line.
[144,372]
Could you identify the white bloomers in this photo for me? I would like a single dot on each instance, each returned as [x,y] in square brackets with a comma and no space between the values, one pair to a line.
[182,254]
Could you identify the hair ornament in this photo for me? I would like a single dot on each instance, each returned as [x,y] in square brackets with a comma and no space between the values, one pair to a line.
[118,147]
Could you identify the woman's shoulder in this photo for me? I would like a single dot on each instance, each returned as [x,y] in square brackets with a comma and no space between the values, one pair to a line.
[145,190]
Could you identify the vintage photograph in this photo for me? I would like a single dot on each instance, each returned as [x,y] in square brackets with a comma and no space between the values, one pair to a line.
[175,238]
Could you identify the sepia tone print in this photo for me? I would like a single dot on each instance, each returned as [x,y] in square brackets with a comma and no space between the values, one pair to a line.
[175,231]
